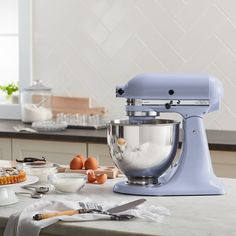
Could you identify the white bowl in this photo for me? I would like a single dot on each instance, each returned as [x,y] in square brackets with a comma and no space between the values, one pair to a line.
[41,170]
[68,182]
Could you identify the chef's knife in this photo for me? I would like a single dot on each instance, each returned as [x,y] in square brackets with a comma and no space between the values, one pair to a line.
[110,211]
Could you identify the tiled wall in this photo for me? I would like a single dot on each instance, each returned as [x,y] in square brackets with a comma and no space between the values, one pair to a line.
[87,47]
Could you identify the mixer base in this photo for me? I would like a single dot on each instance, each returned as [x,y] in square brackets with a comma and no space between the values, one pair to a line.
[166,189]
[145,180]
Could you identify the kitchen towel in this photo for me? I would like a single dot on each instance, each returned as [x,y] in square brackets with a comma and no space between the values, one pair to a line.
[21,223]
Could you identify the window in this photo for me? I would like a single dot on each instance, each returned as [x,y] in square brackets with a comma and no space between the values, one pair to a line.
[15,49]
[8,41]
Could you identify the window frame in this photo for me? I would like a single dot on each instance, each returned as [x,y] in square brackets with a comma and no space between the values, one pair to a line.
[13,111]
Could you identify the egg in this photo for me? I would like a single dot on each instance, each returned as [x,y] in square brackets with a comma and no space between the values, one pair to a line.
[121,141]
[82,158]
[101,179]
[91,176]
[91,163]
[77,163]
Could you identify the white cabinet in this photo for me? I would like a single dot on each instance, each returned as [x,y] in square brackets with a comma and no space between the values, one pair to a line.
[224,163]
[5,149]
[101,153]
[57,152]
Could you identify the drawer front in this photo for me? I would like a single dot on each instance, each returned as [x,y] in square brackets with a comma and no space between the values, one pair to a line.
[101,153]
[224,163]
[5,149]
[56,152]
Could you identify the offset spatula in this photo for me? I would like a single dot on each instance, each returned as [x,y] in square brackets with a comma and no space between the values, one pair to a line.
[126,206]
[110,211]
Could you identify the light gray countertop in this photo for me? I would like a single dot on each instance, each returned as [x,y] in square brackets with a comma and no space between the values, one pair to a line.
[190,215]
[217,139]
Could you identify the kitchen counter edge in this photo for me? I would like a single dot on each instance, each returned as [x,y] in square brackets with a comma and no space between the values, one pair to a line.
[217,139]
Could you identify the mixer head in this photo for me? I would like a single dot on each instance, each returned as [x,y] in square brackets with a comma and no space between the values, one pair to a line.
[189,95]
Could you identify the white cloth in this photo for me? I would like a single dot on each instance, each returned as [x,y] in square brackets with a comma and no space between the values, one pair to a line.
[22,223]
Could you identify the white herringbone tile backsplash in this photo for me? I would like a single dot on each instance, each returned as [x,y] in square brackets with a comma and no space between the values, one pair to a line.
[87,47]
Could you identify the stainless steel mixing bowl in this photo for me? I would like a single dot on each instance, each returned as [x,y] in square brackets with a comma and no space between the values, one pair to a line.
[143,152]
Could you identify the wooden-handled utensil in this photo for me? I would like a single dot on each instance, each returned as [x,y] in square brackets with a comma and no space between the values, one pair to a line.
[110,211]
[43,216]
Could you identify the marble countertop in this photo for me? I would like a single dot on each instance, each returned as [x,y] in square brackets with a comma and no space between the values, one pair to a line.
[190,215]
[218,140]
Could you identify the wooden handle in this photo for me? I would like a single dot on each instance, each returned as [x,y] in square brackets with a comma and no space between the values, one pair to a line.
[53,214]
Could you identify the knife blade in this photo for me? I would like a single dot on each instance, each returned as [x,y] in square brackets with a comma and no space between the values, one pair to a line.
[111,211]
[126,206]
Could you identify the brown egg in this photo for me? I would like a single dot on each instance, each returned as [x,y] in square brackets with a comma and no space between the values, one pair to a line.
[101,179]
[82,158]
[121,141]
[91,176]
[91,163]
[77,163]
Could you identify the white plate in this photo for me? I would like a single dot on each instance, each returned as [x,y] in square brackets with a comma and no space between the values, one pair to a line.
[7,191]
[49,126]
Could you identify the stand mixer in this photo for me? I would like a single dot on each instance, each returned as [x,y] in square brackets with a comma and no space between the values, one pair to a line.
[144,147]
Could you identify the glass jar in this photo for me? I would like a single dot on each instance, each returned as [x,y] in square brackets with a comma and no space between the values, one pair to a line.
[36,103]
[41,170]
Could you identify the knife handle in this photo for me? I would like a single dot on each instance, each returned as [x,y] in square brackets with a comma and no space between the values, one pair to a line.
[43,216]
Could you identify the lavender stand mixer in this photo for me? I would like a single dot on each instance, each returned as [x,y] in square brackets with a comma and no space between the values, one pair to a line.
[144,147]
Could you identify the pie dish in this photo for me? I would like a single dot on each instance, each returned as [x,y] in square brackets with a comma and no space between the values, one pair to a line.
[11,175]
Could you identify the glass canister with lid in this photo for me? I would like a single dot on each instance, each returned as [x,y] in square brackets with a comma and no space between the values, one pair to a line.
[36,103]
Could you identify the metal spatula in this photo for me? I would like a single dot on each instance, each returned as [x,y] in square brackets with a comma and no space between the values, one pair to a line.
[110,211]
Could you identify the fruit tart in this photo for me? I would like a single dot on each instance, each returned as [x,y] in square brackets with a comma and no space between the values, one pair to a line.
[10,175]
